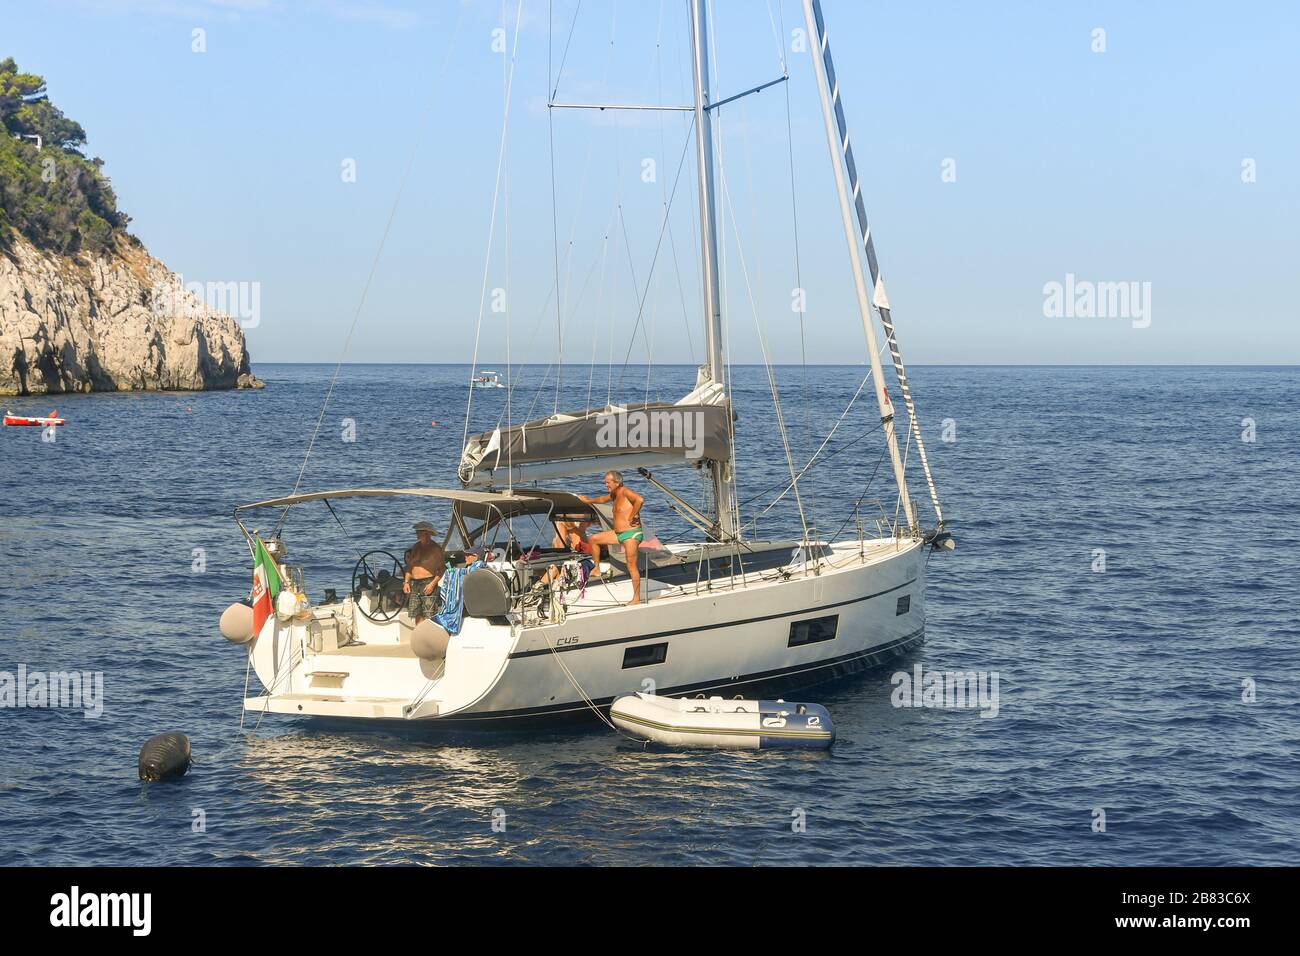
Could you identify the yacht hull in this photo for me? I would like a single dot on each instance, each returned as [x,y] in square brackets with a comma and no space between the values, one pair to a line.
[849,620]
[770,685]
[767,634]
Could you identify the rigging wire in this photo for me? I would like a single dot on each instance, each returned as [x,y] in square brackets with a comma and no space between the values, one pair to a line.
[733,510]
[505,242]
[564,58]
[663,153]
[898,505]
[814,459]
[496,191]
[569,257]
[794,232]
[729,207]
[374,264]
[613,311]
[767,363]
[546,303]
[858,504]
[879,300]
[824,443]
[681,163]
[550,366]
[559,290]
[341,528]
[631,268]
[600,306]
[604,260]
[555,216]
[582,294]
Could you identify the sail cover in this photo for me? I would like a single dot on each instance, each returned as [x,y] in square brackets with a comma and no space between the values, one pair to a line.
[692,431]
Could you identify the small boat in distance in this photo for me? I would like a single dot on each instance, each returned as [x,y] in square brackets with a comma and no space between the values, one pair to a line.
[50,419]
[487,379]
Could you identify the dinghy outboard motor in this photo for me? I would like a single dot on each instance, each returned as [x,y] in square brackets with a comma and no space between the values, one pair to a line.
[165,757]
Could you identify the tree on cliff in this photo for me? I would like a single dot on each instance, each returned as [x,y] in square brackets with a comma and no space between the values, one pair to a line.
[27,111]
[49,190]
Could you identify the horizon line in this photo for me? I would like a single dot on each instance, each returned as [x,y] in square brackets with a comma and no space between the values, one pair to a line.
[487,366]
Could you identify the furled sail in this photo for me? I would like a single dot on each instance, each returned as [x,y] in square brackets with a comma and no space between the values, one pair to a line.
[691,431]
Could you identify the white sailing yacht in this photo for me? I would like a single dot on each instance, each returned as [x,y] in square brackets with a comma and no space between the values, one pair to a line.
[538,639]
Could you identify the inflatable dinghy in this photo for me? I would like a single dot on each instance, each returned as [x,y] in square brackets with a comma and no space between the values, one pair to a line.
[715,722]
[40,422]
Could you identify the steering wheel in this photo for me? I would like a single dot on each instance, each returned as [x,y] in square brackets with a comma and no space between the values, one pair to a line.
[383,584]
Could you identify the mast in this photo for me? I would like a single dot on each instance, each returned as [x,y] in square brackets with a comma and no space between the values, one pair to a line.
[821,67]
[709,242]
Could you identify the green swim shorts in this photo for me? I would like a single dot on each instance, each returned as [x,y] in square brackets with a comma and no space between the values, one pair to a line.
[638,533]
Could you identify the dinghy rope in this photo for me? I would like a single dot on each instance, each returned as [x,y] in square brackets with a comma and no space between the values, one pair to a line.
[586,699]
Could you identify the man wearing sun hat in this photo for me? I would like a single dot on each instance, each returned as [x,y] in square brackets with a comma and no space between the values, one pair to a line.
[425,562]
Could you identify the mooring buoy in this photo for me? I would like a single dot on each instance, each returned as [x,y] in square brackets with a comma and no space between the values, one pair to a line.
[165,757]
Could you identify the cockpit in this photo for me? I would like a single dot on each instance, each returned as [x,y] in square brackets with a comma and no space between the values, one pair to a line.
[499,547]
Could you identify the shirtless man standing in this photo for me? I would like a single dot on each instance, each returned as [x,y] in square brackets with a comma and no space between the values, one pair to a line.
[627,527]
[425,562]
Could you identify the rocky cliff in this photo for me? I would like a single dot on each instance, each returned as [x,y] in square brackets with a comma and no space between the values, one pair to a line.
[115,320]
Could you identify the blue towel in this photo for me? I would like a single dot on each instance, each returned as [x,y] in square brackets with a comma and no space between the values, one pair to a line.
[452,614]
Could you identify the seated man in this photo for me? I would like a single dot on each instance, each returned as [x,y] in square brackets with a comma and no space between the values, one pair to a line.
[627,527]
[425,562]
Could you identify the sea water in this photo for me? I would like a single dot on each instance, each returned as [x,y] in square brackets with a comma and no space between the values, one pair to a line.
[1124,579]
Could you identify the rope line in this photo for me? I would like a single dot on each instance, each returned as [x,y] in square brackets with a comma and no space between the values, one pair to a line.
[586,699]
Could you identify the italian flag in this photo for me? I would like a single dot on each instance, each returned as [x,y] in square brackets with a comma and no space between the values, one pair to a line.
[266,585]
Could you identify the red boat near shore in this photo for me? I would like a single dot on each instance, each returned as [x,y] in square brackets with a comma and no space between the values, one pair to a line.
[39,422]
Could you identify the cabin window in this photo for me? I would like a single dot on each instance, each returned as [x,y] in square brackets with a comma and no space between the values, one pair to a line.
[645,655]
[814,630]
[904,605]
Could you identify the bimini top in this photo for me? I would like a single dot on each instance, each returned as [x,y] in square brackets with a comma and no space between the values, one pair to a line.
[472,504]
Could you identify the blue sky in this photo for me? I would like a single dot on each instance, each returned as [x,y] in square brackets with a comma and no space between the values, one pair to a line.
[1116,166]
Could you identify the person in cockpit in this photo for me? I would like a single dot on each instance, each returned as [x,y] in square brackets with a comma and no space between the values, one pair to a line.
[425,561]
